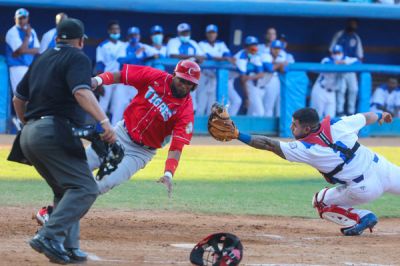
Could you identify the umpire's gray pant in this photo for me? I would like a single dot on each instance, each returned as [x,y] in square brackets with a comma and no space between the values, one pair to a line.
[69,177]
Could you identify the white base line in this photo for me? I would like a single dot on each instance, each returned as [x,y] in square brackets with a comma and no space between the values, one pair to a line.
[94,257]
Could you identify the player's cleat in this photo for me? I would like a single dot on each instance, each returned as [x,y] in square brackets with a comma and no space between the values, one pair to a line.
[42,216]
[368,221]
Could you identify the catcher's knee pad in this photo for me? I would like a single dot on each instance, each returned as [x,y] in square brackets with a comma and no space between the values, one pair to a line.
[336,214]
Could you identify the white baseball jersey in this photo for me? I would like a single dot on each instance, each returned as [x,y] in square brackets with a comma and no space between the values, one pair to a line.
[107,53]
[385,99]
[333,81]
[132,57]
[243,60]
[175,46]
[344,133]
[14,39]
[162,51]
[219,49]
[48,40]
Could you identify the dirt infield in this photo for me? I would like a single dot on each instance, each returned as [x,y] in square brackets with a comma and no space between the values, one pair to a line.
[119,237]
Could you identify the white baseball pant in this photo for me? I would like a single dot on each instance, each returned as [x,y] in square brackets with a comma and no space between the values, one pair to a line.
[351,84]
[206,93]
[256,99]
[16,75]
[234,99]
[121,97]
[323,101]
[381,176]
[272,97]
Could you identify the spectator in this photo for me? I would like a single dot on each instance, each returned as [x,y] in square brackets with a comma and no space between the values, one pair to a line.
[22,45]
[289,56]
[183,47]
[106,61]
[49,38]
[270,36]
[135,53]
[273,63]
[386,98]
[352,47]
[218,51]
[157,36]
[323,95]
[249,66]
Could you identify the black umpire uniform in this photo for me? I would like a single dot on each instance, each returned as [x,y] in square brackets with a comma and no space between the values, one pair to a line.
[48,143]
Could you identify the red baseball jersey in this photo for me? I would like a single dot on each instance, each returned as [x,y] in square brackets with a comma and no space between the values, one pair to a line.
[154,115]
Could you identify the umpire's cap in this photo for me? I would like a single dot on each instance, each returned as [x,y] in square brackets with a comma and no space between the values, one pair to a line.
[71,28]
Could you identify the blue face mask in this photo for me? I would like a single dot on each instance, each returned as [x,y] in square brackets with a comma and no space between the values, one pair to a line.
[115,36]
[184,38]
[134,40]
[157,39]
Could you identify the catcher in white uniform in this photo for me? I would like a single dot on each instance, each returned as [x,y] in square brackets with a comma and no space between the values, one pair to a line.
[332,148]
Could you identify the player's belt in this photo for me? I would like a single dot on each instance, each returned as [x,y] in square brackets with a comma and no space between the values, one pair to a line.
[136,142]
[328,90]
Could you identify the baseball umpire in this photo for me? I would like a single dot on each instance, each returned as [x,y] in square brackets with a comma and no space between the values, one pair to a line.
[50,99]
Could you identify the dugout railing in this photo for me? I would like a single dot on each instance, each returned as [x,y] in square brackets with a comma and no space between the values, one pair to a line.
[294,88]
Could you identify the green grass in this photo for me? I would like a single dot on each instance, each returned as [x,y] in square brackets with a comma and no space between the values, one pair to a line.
[211,179]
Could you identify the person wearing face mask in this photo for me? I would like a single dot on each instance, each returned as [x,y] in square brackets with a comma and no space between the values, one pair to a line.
[323,95]
[107,54]
[273,63]
[218,51]
[249,70]
[49,38]
[352,47]
[157,37]
[134,53]
[183,47]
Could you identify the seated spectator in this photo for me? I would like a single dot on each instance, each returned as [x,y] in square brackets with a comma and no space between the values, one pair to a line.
[157,36]
[206,93]
[49,38]
[323,95]
[183,47]
[386,98]
[273,63]
[249,66]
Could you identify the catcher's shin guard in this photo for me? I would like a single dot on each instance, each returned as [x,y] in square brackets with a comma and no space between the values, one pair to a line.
[336,214]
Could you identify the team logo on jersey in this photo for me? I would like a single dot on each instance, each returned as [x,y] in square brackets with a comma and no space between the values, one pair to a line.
[152,96]
[189,128]
[293,145]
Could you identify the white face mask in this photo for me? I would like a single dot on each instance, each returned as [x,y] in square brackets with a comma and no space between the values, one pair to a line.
[337,57]
[184,38]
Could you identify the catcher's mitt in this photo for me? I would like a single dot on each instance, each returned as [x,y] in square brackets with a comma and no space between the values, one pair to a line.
[220,125]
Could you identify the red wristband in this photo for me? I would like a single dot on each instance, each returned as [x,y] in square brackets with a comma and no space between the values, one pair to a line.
[170,165]
[107,78]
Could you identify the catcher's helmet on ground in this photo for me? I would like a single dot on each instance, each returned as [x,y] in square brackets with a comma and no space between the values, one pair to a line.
[221,249]
[188,70]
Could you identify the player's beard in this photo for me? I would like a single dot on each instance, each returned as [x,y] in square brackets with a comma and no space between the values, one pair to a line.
[176,93]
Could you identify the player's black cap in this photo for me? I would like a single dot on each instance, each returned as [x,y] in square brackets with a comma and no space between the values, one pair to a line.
[70,28]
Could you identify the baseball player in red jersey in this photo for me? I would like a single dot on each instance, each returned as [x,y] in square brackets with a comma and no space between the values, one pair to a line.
[161,110]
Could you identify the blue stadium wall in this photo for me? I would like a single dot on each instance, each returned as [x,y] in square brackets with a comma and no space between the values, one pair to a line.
[308,37]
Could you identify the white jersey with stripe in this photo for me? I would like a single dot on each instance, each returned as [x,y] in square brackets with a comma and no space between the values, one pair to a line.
[108,52]
[344,132]
[383,98]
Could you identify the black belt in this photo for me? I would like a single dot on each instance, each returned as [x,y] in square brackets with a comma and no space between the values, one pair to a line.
[47,117]
[136,142]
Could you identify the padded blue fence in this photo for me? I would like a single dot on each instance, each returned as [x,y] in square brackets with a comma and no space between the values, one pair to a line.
[4,95]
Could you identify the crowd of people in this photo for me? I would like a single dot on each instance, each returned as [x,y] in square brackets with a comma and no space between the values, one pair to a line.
[258,66]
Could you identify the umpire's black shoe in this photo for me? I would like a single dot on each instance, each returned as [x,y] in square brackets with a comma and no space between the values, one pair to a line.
[76,255]
[52,249]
